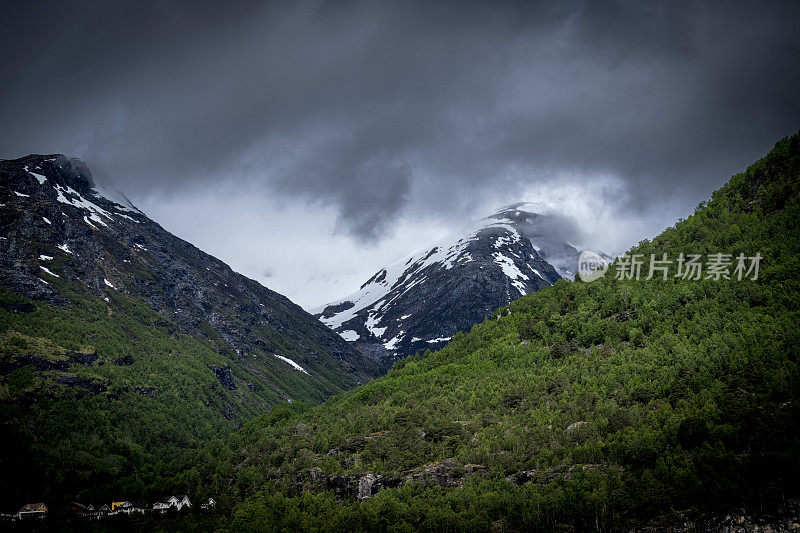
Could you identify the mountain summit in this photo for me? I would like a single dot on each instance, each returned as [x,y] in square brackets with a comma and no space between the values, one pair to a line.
[60,233]
[422,300]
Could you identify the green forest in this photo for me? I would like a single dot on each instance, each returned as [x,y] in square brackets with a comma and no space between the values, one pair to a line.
[102,399]
[594,406]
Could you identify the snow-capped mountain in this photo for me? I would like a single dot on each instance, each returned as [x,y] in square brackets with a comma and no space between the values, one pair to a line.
[422,300]
[62,238]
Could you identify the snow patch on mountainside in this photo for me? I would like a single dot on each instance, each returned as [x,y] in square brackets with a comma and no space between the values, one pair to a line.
[122,207]
[292,363]
[80,202]
[39,177]
[49,272]
[349,335]
[511,271]
[120,201]
[392,344]
[372,325]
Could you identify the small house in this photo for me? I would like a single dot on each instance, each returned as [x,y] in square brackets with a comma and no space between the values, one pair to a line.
[162,504]
[91,510]
[116,505]
[210,504]
[182,501]
[33,510]
[129,507]
[177,502]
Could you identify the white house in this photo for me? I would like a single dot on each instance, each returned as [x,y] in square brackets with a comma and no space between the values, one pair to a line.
[182,500]
[210,504]
[177,502]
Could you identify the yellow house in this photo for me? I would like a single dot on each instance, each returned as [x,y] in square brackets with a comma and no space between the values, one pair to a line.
[117,505]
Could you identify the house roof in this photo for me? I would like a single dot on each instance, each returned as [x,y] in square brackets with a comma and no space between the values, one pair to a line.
[77,505]
[29,507]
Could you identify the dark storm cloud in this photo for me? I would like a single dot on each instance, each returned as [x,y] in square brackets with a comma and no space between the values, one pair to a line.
[377,107]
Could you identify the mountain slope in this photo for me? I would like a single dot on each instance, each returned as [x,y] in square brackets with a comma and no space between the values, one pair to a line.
[422,300]
[157,344]
[593,406]
[54,221]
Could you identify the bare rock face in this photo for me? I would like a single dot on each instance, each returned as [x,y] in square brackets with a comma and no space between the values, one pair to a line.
[366,485]
[224,376]
[421,301]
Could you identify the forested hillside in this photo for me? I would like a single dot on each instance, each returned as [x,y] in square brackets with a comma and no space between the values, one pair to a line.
[596,405]
[123,346]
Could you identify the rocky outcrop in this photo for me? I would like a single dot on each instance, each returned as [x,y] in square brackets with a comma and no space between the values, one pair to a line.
[10,364]
[545,476]
[225,376]
[85,359]
[575,427]
[367,486]
[446,473]
[95,386]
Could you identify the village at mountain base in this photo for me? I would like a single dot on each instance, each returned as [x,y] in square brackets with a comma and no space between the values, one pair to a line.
[176,502]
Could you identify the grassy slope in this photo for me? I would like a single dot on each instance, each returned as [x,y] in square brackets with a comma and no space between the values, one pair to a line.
[688,391]
[63,442]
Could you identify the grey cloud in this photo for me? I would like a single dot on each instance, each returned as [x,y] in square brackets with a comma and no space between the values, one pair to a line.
[383,109]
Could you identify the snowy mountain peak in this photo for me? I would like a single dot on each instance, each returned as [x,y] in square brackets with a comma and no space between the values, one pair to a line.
[422,300]
[61,170]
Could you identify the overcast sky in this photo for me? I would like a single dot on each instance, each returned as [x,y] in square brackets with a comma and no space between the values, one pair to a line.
[309,143]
